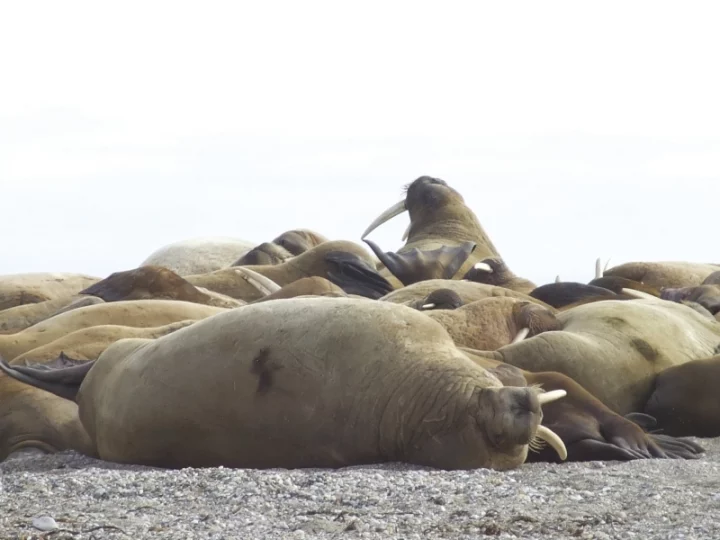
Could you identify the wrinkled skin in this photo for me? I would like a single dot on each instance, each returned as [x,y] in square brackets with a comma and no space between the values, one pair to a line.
[664,274]
[136,313]
[500,275]
[588,428]
[439,217]
[34,287]
[614,349]
[494,322]
[685,399]
[233,283]
[304,383]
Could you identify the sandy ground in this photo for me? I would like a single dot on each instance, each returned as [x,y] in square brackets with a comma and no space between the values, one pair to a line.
[87,498]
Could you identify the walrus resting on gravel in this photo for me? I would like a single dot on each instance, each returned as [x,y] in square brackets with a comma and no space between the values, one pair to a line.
[315,382]
[327,382]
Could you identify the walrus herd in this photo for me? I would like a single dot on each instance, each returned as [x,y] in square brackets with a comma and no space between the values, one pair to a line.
[306,351]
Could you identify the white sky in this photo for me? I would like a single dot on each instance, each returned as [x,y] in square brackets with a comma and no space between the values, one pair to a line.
[573,129]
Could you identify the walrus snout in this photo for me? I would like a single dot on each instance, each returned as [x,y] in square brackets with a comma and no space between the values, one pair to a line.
[514,416]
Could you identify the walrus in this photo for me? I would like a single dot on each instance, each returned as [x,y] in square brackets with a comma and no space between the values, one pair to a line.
[438,217]
[708,296]
[88,343]
[199,255]
[308,383]
[34,287]
[685,400]
[281,248]
[19,318]
[566,293]
[438,299]
[137,313]
[468,291]
[615,349]
[494,322]
[148,282]
[664,274]
[309,286]
[301,383]
[494,271]
[712,279]
[590,431]
[314,262]
[33,418]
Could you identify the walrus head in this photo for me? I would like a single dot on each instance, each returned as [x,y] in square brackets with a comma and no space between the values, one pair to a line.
[439,299]
[299,241]
[265,253]
[708,296]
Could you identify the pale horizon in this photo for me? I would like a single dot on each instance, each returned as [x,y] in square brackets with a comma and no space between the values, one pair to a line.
[572,131]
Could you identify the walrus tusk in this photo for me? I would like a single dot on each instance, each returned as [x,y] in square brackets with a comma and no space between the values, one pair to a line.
[395,210]
[552,395]
[598,268]
[522,334]
[485,267]
[557,278]
[407,232]
[637,294]
[428,306]
[550,437]
[262,283]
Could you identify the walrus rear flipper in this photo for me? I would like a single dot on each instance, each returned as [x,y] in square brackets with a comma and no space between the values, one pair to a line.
[415,265]
[564,293]
[355,276]
[62,377]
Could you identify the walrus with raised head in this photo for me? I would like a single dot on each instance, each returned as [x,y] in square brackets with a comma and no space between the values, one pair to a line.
[439,217]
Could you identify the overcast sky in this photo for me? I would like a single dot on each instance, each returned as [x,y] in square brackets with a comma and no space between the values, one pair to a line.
[574,130]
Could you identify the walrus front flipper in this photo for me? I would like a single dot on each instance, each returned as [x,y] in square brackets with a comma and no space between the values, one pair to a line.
[355,276]
[62,377]
[415,265]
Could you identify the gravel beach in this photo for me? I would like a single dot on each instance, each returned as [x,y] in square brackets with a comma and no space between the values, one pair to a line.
[72,496]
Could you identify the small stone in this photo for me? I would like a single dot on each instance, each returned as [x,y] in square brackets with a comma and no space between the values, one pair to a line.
[44,523]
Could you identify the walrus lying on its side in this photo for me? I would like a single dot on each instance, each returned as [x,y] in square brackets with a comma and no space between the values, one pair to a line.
[312,382]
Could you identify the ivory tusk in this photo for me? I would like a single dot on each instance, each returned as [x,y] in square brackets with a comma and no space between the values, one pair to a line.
[550,437]
[395,210]
[637,294]
[522,334]
[557,278]
[485,267]
[428,306]
[262,283]
[407,232]
[552,395]
[598,268]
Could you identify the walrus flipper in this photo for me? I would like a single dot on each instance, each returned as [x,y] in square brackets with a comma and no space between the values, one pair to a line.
[415,265]
[355,276]
[62,377]
[564,293]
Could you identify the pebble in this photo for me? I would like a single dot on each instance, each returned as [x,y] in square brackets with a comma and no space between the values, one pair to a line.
[391,501]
